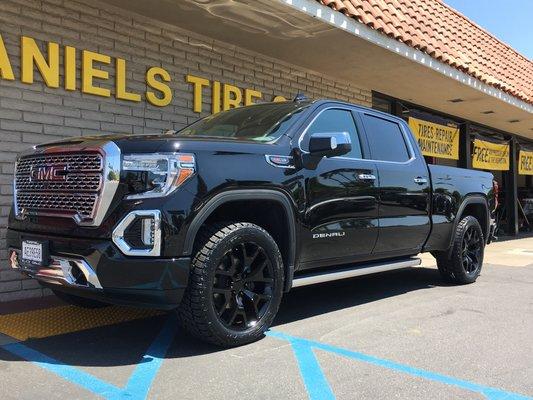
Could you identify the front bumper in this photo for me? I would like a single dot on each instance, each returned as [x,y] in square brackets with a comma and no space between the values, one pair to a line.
[97,269]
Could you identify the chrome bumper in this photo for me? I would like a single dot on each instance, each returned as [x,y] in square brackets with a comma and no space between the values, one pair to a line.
[63,271]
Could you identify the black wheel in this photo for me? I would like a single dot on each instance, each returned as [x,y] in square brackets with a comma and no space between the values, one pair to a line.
[235,285]
[79,301]
[464,263]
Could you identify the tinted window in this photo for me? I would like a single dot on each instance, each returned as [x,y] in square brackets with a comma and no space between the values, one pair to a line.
[337,121]
[262,122]
[386,140]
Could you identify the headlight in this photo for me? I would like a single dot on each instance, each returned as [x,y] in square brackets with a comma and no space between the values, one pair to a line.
[156,175]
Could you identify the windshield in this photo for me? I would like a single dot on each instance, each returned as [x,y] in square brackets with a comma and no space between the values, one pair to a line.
[261,122]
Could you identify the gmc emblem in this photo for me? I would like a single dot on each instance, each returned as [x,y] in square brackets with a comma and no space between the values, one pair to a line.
[48,173]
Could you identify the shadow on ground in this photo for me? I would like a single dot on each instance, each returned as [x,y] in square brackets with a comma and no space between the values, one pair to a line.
[125,343]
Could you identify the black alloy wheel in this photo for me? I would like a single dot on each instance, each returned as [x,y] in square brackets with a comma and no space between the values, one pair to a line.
[472,247]
[243,285]
[462,263]
[235,285]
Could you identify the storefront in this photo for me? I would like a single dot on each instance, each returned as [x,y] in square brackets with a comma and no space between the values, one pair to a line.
[130,66]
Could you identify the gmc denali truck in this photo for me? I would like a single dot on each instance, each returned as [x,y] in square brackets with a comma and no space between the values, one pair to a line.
[220,219]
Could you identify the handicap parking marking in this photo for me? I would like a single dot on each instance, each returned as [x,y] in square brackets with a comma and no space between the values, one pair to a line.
[66,319]
[139,383]
[318,387]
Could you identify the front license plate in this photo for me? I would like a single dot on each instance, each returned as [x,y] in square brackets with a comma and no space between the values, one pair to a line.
[32,252]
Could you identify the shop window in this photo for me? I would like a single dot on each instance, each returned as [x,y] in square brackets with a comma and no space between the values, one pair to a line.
[381,104]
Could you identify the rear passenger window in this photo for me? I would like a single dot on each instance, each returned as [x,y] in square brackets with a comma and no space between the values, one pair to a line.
[334,121]
[386,139]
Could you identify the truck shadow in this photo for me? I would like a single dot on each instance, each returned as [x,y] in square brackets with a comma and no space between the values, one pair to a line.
[125,344]
[310,301]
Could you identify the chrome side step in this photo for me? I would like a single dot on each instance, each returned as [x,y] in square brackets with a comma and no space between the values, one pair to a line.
[360,270]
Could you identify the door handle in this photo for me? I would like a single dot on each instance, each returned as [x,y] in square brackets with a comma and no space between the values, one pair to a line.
[420,180]
[366,177]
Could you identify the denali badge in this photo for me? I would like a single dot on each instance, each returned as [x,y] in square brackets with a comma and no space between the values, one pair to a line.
[328,235]
[48,173]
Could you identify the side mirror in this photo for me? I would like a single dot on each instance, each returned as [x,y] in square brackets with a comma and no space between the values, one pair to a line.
[330,144]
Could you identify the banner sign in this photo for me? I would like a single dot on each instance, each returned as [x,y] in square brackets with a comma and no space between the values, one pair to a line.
[525,162]
[490,156]
[436,140]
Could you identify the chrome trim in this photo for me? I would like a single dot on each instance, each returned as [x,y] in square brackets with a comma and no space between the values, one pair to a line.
[111,178]
[118,234]
[288,166]
[352,272]
[110,153]
[59,271]
[366,177]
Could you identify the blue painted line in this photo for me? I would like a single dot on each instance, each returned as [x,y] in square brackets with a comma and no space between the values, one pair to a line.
[311,369]
[315,382]
[71,374]
[139,383]
[145,372]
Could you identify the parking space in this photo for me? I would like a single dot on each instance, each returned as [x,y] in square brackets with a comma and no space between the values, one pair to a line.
[402,334]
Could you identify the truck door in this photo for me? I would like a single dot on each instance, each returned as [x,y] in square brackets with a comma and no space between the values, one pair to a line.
[404,220]
[341,212]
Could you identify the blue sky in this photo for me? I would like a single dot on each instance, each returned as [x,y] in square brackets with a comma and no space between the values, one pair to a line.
[511,21]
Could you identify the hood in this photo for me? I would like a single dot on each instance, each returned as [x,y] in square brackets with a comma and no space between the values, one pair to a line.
[164,143]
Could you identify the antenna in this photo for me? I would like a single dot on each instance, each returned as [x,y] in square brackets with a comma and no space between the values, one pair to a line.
[300,97]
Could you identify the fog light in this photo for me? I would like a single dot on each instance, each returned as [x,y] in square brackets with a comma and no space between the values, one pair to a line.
[139,233]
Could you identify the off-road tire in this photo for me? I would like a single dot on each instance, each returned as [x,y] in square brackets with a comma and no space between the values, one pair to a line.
[451,264]
[197,312]
[79,301]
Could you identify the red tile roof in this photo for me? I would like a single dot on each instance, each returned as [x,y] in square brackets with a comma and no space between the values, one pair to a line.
[440,31]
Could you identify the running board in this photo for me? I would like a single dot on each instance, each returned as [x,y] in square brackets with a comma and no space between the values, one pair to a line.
[335,275]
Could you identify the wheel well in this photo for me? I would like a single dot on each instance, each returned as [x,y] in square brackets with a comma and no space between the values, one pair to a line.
[268,214]
[478,211]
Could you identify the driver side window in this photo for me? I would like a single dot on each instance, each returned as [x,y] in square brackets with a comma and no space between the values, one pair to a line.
[336,120]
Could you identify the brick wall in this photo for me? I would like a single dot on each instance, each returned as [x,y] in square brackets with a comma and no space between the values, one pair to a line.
[34,113]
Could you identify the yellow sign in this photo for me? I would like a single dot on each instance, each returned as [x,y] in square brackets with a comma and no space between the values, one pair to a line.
[436,140]
[491,156]
[95,70]
[525,162]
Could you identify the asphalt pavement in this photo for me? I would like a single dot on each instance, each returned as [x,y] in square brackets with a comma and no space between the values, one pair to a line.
[402,335]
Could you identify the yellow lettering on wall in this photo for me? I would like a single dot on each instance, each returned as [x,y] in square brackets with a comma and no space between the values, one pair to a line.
[31,55]
[122,93]
[6,71]
[198,84]
[279,99]
[215,101]
[232,97]
[250,95]
[151,80]
[89,72]
[70,68]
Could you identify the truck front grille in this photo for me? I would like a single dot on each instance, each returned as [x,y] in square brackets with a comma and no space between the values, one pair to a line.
[67,184]
[82,205]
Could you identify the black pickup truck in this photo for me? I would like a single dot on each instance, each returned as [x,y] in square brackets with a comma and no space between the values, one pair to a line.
[220,219]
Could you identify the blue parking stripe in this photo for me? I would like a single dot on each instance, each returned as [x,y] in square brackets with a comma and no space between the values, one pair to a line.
[315,382]
[139,383]
[312,369]
[145,372]
[71,374]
